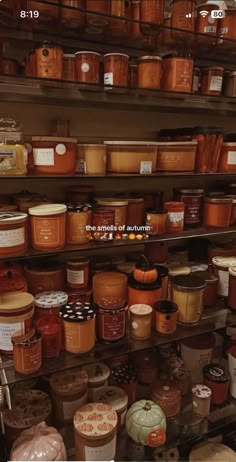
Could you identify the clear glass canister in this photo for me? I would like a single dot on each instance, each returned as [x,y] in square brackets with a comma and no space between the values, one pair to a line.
[13,154]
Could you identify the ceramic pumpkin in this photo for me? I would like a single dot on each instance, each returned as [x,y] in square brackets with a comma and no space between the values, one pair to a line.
[146,423]
[39,442]
[12,278]
[145,272]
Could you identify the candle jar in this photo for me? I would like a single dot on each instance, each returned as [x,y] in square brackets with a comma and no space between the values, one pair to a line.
[163,273]
[210,291]
[111,324]
[78,223]
[168,396]
[175,219]
[116,67]
[149,72]
[221,267]
[48,226]
[49,61]
[217,212]
[47,12]
[177,74]
[103,224]
[13,233]
[182,15]
[152,11]
[201,400]
[140,321]
[125,377]
[212,81]
[68,73]
[156,222]
[77,271]
[145,362]
[50,328]
[27,352]
[166,317]
[78,326]
[119,207]
[196,80]
[206,24]
[110,290]
[193,201]
[232,288]
[98,375]
[196,352]
[45,276]
[97,22]
[187,293]
[72,17]
[118,399]
[87,67]
[49,303]
[216,377]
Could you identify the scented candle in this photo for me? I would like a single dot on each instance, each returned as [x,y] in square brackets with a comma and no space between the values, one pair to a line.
[50,328]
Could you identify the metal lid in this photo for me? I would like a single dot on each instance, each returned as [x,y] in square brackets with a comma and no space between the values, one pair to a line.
[206,276]
[187,282]
[165,306]
[153,58]
[116,54]
[231,196]
[12,217]
[87,53]
[112,201]
[140,309]
[224,261]
[97,372]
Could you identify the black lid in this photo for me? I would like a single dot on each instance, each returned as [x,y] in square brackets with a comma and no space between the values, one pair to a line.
[78,311]
[230,138]
[124,374]
[207,130]
[165,306]
[162,270]
[166,132]
[156,211]
[216,373]
[78,207]
[188,282]
[140,286]
[188,131]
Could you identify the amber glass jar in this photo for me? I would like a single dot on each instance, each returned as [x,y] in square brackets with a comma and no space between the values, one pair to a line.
[110,290]
[149,72]
[71,17]
[212,81]
[168,396]
[45,276]
[27,352]
[119,207]
[177,74]
[193,201]
[182,15]
[68,72]
[140,319]
[152,11]
[46,12]
[77,272]
[30,64]
[103,223]
[187,293]
[206,24]
[217,211]
[156,221]
[49,61]
[78,223]
[117,9]
[116,67]
[87,67]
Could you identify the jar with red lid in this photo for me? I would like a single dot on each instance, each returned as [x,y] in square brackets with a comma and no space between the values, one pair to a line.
[212,80]
[175,220]
[50,328]
[193,200]
[216,377]
[111,324]
[149,72]
[116,69]
[77,272]
[72,17]
[10,66]
[27,352]
[227,162]
[177,74]
[87,67]
[182,15]
[152,11]
[226,25]
[78,223]
[217,212]
[103,222]
[68,71]
[49,303]
[206,24]
[49,61]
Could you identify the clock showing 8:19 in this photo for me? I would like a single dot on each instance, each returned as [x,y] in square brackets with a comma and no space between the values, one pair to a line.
[29,14]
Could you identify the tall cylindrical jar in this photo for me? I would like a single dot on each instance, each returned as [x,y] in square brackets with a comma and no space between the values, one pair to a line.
[78,223]
[232,288]
[49,61]
[182,15]
[221,267]
[152,11]
[149,72]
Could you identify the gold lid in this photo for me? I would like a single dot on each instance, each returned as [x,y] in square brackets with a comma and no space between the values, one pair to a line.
[15,301]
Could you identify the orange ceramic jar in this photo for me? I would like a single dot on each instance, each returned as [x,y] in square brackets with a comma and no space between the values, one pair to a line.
[13,233]
[177,74]
[78,223]
[54,155]
[226,25]
[48,226]
[100,6]
[49,60]
[227,162]
[206,24]
[47,12]
[175,220]
[212,81]
[78,326]
[87,67]
[71,17]
[151,11]
[217,211]
[149,72]
[182,14]
[116,66]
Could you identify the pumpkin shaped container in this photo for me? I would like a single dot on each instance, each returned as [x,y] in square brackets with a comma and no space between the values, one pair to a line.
[146,423]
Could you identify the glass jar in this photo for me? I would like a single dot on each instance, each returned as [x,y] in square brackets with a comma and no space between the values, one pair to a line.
[103,224]
[49,61]
[87,66]
[111,324]
[196,352]
[177,74]
[118,9]
[182,15]
[187,293]
[13,233]
[125,377]
[68,71]
[110,290]
[10,66]
[78,223]
[152,11]
[196,80]
[94,158]
[27,352]
[13,155]
[210,291]
[49,303]
[221,265]
[156,222]
[119,207]
[30,64]
[78,326]
[232,288]
[149,72]
[50,328]
[71,17]
[116,68]
[175,220]
[227,162]
[193,200]
[165,317]
[212,81]
[201,400]
[48,226]
[216,377]
[135,211]
[77,271]
[45,276]
[209,143]
[168,396]
[217,212]
[140,321]
[206,24]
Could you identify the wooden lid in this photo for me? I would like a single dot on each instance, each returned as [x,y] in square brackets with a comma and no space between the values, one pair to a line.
[224,261]
[29,408]
[15,301]
[212,452]
[95,420]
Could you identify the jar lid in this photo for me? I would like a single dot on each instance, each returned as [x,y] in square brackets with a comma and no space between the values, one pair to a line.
[97,372]
[77,260]
[50,299]
[232,270]
[87,53]
[69,382]
[224,262]
[140,309]
[165,389]
[187,282]
[116,54]
[231,196]
[111,311]
[47,209]
[206,276]
[44,267]
[134,200]
[68,55]
[201,391]
[127,267]
[124,374]
[165,306]
[78,207]
[140,286]
[78,312]
[110,279]
[200,342]
[95,420]
[212,452]
[218,200]
[114,396]
[213,68]
[15,301]
[174,204]
[215,373]
[153,58]
[59,139]
[176,269]
[189,191]
[29,408]
[12,217]
[156,211]
[108,202]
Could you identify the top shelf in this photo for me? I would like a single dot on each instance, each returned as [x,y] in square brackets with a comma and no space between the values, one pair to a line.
[113,34]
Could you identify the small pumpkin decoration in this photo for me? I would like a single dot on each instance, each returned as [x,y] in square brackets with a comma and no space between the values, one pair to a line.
[146,423]
[145,272]
[12,278]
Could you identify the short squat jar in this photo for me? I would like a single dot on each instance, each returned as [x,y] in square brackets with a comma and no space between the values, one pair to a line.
[140,318]
[87,67]
[116,67]
[217,211]
[149,72]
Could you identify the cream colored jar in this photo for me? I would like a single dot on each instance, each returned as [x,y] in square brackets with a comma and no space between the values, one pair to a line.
[221,269]
[94,158]
[187,293]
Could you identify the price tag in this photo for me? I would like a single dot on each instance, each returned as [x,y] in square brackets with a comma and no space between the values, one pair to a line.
[146,167]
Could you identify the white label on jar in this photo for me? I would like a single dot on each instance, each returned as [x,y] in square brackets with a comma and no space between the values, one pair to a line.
[210,29]
[100,453]
[146,167]
[85,67]
[75,277]
[12,237]
[231,160]
[108,78]
[7,158]
[195,83]
[70,407]
[216,83]
[176,217]
[223,284]
[43,156]
[60,149]
[223,30]
[6,332]
[85,167]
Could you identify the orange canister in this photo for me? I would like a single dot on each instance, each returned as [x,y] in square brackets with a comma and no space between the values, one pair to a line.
[87,66]
[78,223]
[78,326]
[49,61]
[217,211]
[139,293]
[48,226]
[149,72]
[206,24]
[226,25]
[54,155]
[177,74]
[156,221]
[182,14]
[13,233]
[175,220]
[27,352]
[152,11]
[165,317]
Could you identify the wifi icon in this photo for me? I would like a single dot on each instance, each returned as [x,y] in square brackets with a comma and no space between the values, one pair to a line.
[203,13]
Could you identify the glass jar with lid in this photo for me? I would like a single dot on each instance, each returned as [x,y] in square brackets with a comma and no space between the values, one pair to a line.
[13,154]
[193,201]
[78,223]
[187,293]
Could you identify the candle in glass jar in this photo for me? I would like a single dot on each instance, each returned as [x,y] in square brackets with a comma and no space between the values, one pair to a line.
[140,321]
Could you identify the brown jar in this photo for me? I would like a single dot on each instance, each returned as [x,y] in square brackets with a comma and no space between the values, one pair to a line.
[152,11]
[49,61]
[77,272]
[117,9]
[71,17]
[177,74]
[196,80]
[110,290]
[119,207]
[10,66]
[48,276]
[182,15]
[193,201]
[135,211]
[46,11]
[212,80]
[87,67]
[100,6]
[68,72]
[149,72]
[133,75]
[116,69]
[206,24]
[210,291]
[226,25]
[135,12]
[230,84]
[30,64]
[168,396]
[156,222]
